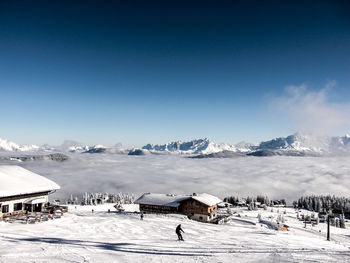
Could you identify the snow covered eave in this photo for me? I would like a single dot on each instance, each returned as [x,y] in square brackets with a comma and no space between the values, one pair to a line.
[207,199]
[15,180]
[16,193]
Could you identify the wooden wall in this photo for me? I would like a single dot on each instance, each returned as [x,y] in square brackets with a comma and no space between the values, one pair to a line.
[157,209]
[192,206]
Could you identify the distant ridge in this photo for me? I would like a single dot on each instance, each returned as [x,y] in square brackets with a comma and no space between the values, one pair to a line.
[293,145]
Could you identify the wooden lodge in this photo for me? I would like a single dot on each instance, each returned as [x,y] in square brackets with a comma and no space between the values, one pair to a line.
[200,207]
[23,191]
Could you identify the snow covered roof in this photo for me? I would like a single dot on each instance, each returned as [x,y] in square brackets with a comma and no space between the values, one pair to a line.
[206,199]
[15,180]
[161,199]
[174,200]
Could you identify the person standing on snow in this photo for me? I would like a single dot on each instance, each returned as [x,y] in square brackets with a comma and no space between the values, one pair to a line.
[178,232]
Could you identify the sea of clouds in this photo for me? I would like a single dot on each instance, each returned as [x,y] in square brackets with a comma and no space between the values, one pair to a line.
[277,177]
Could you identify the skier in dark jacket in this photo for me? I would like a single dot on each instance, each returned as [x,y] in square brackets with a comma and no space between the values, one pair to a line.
[178,232]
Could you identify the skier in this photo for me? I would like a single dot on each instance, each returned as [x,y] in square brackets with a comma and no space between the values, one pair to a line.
[178,232]
[141,216]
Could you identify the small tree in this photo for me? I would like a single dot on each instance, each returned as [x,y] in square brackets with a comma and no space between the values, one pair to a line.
[342,221]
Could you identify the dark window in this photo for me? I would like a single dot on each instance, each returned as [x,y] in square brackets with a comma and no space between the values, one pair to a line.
[37,207]
[5,209]
[28,207]
[17,207]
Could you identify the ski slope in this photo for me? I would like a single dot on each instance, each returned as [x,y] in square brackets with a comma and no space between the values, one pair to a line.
[83,236]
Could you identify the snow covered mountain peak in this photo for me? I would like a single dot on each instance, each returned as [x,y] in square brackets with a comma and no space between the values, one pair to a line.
[308,143]
[197,146]
[291,142]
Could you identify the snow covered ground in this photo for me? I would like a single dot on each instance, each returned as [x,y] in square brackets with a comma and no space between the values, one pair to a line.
[83,236]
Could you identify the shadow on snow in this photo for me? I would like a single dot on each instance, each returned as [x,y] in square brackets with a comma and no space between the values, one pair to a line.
[151,249]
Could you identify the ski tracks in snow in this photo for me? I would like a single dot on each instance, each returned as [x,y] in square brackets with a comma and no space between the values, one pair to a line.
[83,236]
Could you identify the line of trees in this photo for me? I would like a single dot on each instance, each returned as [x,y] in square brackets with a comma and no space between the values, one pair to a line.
[262,199]
[324,203]
[102,198]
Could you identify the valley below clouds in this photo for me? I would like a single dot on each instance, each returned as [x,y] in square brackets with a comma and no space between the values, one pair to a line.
[277,176]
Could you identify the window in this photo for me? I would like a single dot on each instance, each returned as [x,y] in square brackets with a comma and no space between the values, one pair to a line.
[17,207]
[5,209]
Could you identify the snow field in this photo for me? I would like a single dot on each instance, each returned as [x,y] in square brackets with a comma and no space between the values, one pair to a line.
[83,236]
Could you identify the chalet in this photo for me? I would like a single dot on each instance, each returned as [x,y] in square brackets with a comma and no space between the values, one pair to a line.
[22,190]
[200,207]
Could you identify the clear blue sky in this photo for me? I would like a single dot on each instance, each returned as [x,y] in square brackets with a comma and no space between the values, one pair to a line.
[147,71]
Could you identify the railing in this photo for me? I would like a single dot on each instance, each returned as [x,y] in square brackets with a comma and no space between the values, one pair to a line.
[14,213]
[33,217]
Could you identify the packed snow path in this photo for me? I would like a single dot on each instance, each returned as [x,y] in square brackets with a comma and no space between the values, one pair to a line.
[83,236]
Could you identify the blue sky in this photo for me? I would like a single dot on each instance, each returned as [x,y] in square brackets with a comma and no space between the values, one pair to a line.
[108,72]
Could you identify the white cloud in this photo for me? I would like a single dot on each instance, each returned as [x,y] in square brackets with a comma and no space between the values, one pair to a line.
[312,111]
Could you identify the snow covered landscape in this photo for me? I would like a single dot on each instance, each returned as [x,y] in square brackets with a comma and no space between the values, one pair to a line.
[174,131]
[83,236]
[278,176]
[101,236]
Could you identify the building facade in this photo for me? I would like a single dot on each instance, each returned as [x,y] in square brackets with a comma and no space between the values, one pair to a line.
[200,207]
[197,210]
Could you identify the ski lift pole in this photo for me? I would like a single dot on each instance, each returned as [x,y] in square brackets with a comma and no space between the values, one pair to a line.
[328,228]
[329,225]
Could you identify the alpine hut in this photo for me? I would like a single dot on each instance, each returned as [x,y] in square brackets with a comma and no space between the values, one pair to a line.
[201,207]
[22,190]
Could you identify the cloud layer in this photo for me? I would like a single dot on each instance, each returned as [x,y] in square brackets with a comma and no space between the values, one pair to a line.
[278,177]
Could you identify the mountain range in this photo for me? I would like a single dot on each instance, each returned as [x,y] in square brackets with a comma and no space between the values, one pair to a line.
[294,145]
